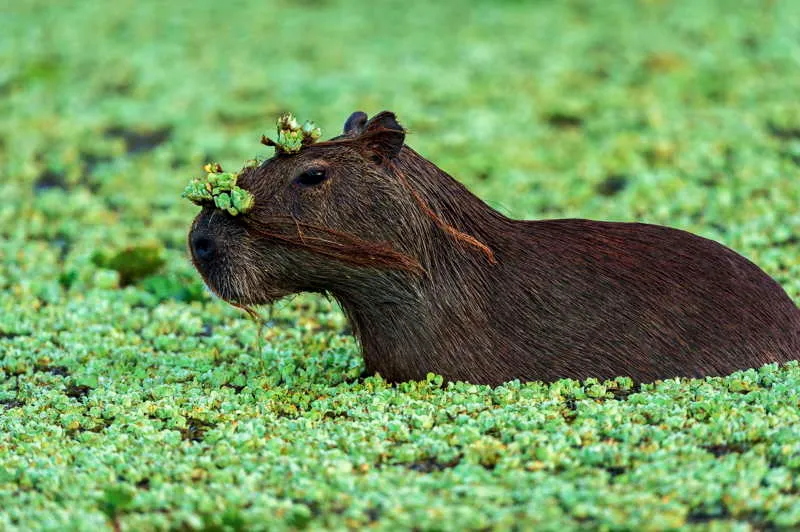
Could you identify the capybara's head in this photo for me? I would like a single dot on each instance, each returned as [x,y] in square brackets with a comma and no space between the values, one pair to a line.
[327,214]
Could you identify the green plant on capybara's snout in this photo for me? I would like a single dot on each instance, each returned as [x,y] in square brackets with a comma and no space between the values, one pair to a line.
[219,188]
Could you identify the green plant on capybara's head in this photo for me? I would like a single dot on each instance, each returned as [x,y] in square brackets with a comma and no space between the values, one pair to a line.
[291,135]
[219,187]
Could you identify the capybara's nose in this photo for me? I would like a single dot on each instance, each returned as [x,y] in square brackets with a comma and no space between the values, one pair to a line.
[204,248]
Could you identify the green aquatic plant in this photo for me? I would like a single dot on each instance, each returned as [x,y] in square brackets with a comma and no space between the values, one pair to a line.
[220,188]
[107,390]
[291,135]
[132,263]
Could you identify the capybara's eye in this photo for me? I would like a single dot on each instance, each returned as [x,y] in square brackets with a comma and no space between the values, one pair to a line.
[311,177]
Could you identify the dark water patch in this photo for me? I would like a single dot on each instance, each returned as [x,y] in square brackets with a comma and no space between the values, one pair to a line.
[719,227]
[91,161]
[10,335]
[756,520]
[612,185]
[120,88]
[208,330]
[374,513]
[705,516]
[236,387]
[330,414]
[571,410]
[8,404]
[49,180]
[140,141]
[58,371]
[793,156]
[750,43]
[77,391]
[431,465]
[63,244]
[195,429]
[67,278]
[562,120]
[710,181]
[621,395]
[725,448]
[783,133]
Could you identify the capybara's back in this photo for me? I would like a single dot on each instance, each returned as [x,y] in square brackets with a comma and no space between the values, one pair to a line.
[602,299]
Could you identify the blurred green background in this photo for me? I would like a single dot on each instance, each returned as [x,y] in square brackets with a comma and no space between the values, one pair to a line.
[129,398]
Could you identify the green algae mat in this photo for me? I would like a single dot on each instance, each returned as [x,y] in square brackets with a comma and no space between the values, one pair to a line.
[130,399]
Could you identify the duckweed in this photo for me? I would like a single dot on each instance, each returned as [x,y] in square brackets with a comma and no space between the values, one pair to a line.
[131,399]
[220,188]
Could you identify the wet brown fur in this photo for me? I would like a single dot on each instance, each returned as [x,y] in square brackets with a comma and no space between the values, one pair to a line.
[434,280]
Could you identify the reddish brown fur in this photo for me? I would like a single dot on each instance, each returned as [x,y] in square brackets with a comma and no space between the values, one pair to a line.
[434,280]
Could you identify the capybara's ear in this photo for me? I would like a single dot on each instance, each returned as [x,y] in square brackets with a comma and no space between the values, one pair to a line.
[383,136]
[355,124]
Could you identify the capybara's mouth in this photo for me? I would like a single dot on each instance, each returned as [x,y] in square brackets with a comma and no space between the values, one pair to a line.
[242,290]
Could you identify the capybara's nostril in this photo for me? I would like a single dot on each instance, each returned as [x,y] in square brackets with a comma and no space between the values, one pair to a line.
[204,248]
